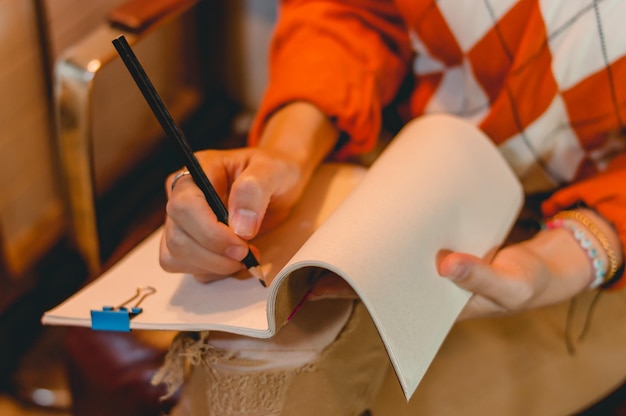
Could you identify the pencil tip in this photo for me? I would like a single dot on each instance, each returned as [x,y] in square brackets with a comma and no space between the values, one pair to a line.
[258,273]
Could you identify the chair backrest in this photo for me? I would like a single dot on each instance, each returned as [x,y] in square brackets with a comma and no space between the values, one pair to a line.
[104,127]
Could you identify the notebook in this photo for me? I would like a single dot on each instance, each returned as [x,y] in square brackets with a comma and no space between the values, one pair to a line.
[439,184]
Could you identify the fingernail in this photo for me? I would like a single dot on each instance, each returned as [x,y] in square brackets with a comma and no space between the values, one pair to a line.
[244,223]
[459,271]
[237,252]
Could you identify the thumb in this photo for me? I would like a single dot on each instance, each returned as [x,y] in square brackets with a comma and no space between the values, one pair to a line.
[498,285]
[467,271]
[247,204]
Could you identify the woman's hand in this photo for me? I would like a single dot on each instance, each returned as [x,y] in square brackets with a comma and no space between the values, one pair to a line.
[260,188]
[548,268]
[259,185]
[520,276]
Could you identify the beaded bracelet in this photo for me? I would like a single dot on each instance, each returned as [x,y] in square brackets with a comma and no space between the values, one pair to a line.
[599,270]
[601,274]
[599,235]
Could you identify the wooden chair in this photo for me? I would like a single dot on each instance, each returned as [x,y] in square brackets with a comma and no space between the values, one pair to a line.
[105,130]
[104,126]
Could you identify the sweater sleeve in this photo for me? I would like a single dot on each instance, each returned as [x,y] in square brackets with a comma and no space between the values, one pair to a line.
[347,57]
[605,192]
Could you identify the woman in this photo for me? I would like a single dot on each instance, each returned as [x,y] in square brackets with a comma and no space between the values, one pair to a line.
[543,79]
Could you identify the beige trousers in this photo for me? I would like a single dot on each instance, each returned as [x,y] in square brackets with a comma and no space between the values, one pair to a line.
[343,379]
[516,365]
[519,365]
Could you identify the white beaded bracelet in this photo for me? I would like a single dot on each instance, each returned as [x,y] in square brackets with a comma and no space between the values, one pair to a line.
[599,268]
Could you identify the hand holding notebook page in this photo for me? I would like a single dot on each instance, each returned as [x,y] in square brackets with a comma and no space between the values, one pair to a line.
[439,184]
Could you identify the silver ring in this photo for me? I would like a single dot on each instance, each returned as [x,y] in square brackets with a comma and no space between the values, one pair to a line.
[177,177]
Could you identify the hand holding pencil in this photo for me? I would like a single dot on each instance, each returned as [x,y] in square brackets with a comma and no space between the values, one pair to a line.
[194,241]
[175,134]
[259,186]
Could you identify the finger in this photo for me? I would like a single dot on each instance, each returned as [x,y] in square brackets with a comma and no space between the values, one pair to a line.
[173,180]
[452,267]
[329,285]
[264,180]
[508,289]
[248,202]
[204,265]
[470,273]
[191,218]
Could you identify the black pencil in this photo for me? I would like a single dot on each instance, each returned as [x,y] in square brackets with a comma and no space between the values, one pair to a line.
[176,135]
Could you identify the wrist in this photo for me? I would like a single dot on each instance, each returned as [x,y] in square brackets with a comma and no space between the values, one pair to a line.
[301,133]
[597,243]
[567,264]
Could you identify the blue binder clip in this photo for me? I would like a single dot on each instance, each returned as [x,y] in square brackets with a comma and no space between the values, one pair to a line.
[117,318]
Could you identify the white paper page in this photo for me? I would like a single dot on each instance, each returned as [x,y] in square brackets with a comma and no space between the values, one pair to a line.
[440,184]
[232,305]
[179,302]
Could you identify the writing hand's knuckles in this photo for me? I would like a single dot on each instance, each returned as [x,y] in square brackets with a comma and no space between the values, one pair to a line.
[207,277]
[171,263]
[179,206]
[222,270]
[176,242]
[208,268]
[167,262]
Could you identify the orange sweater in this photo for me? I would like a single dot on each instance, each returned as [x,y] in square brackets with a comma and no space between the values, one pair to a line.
[546,81]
